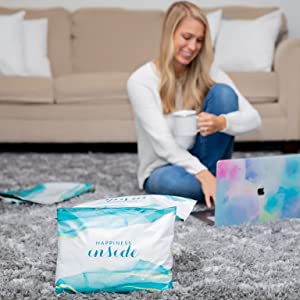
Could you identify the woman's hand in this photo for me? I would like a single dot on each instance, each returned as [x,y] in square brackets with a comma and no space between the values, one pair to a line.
[209,123]
[208,184]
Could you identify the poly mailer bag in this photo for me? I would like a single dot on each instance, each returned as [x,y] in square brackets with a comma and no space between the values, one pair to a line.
[47,193]
[184,206]
[114,249]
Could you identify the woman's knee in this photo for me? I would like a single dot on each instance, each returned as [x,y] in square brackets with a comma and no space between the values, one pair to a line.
[223,97]
[177,182]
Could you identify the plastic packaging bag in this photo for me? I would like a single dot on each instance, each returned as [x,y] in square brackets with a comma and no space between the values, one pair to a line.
[184,206]
[114,249]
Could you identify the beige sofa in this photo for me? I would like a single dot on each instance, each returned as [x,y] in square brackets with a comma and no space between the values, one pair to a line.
[92,53]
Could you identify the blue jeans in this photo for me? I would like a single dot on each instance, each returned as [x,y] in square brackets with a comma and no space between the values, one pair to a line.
[174,180]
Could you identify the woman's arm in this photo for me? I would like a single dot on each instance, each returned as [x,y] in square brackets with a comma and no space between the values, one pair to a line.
[148,113]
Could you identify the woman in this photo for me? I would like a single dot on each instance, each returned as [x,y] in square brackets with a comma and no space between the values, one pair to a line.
[183,77]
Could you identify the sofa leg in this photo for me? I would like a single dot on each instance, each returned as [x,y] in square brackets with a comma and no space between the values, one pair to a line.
[290,147]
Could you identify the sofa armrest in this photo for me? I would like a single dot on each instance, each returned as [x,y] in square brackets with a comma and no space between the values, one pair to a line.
[287,67]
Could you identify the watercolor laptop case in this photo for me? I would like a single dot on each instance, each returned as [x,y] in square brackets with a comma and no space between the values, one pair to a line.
[257,189]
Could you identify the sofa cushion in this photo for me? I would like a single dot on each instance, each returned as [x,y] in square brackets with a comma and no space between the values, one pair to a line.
[257,87]
[35,47]
[12,46]
[91,87]
[248,13]
[65,123]
[25,90]
[59,34]
[248,45]
[114,39]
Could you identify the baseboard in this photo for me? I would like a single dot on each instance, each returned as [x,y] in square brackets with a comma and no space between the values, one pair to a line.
[286,147]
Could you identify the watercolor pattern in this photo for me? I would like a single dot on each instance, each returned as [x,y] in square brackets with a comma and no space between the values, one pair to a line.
[238,182]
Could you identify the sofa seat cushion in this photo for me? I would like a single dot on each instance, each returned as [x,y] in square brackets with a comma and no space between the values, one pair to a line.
[257,87]
[103,87]
[25,90]
[66,123]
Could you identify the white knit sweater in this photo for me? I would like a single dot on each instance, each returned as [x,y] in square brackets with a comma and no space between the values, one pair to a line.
[156,144]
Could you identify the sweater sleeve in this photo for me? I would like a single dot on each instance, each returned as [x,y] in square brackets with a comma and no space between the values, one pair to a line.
[244,120]
[148,112]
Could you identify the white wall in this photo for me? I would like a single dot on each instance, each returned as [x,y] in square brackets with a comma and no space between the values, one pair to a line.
[290,7]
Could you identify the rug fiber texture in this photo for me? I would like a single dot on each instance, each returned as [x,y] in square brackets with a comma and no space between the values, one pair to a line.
[240,262]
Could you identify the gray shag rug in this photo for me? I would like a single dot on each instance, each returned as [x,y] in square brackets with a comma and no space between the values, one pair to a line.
[243,262]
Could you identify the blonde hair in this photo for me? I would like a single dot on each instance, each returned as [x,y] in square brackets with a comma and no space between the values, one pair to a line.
[197,80]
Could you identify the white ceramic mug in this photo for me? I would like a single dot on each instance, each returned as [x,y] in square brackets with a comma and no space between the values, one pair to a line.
[185,127]
[185,122]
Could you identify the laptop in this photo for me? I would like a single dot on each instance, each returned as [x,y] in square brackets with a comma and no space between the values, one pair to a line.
[254,190]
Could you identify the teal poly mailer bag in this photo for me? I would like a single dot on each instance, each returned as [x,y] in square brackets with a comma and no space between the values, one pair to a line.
[47,193]
[114,249]
[184,206]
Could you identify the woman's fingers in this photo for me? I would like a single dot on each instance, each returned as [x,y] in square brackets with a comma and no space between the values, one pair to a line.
[208,183]
[207,200]
[209,123]
[210,199]
[205,124]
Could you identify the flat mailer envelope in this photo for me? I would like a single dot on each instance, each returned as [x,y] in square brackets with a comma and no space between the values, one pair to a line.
[47,193]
